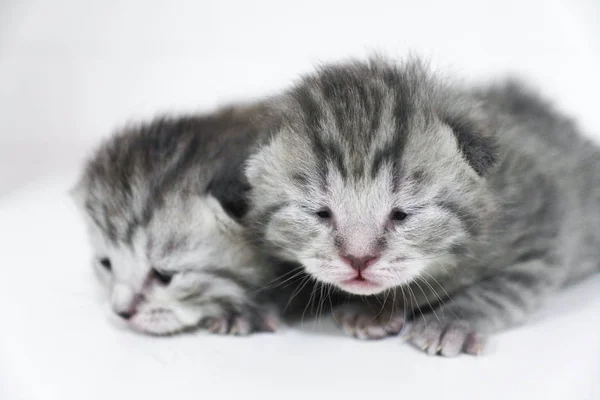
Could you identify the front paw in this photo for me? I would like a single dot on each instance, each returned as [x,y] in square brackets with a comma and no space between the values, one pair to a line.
[241,323]
[363,322]
[446,338]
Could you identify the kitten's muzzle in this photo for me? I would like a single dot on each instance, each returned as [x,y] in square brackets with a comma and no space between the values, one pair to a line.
[125,301]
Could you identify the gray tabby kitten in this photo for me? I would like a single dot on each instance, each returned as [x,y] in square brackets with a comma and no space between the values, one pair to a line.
[463,208]
[161,201]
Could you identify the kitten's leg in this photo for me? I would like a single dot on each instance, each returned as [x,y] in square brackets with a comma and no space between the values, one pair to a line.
[369,321]
[494,303]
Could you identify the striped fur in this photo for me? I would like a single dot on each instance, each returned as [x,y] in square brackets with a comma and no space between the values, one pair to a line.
[501,195]
[161,202]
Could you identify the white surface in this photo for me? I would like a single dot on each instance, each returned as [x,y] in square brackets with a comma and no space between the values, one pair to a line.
[70,71]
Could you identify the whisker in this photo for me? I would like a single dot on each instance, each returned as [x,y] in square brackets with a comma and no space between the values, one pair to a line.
[300,267]
[387,293]
[300,287]
[316,314]
[309,303]
[448,297]
[438,298]
[324,288]
[321,303]
[329,289]
[410,291]
[433,257]
[274,282]
[427,300]
[404,316]
[439,284]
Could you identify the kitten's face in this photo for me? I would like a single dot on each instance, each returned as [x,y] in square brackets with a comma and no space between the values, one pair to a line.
[168,275]
[365,194]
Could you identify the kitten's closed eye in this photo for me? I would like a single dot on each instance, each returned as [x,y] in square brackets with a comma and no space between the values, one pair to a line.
[163,277]
[105,262]
[324,213]
[398,215]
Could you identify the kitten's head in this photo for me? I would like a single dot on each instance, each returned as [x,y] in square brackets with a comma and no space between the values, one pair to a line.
[167,251]
[375,176]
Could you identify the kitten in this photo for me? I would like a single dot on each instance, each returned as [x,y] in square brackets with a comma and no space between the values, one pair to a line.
[469,207]
[161,202]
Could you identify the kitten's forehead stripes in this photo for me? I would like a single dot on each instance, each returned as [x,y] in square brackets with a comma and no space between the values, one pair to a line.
[131,175]
[108,225]
[132,227]
[342,110]
[325,151]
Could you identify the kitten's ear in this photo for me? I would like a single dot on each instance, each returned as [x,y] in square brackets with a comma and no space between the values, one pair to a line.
[475,143]
[231,190]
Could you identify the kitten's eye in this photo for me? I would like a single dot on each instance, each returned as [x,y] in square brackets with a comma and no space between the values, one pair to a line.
[162,277]
[398,215]
[105,262]
[324,214]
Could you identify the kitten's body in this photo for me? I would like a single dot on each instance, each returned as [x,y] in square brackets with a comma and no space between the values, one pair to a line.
[382,179]
[161,201]
[563,205]
[543,235]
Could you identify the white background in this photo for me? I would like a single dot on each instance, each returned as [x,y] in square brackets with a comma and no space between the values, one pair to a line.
[70,71]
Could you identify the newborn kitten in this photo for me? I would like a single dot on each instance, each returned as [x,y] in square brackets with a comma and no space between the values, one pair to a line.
[469,207]
[161,201]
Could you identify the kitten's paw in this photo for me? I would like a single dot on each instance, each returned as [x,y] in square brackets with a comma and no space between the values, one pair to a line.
[448,339]
[365,323]
[241,323]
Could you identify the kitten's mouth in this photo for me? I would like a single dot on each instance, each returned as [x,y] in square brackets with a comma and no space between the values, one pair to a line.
[360,285]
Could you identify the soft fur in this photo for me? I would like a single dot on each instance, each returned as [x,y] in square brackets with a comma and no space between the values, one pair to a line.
[469,207]
[161,201]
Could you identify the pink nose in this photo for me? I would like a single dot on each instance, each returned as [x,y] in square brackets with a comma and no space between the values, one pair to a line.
[359,263]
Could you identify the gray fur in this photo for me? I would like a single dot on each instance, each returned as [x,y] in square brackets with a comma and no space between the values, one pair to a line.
[501,191]
[162,200]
